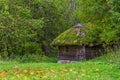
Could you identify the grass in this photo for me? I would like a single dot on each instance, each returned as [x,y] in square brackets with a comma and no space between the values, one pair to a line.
[106,67]
[112,57]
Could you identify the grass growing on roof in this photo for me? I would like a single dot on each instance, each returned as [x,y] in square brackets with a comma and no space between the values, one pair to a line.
[69,37]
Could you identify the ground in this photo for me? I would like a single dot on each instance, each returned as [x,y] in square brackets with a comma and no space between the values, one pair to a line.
[105,67]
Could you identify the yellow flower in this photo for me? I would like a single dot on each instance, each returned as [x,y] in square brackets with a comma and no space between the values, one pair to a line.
[31,72]
[25,78]
[83,74]
[2,74]
[25,71]
[97,70]
[45,76]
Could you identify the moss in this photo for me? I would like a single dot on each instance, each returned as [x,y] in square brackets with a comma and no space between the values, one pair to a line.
[70,37]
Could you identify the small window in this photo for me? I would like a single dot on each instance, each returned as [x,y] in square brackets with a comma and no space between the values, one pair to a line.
[66,49]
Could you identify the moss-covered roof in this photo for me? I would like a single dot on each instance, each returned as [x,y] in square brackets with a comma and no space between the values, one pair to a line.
[72,36]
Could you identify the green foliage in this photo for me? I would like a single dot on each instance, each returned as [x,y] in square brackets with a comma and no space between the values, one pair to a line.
[32,58]
[102,19]
[29,26]
[18,30]
[33,48]
[53,13]
[109,36]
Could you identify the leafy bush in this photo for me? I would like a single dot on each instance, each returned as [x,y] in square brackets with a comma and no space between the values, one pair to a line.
[32,58]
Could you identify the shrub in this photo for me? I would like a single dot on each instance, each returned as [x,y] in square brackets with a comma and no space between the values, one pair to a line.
[31,58]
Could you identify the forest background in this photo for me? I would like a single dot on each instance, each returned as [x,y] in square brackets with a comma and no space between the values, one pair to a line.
[27,27]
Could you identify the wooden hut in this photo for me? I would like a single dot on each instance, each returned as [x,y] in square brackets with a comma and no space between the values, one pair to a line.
[72,45]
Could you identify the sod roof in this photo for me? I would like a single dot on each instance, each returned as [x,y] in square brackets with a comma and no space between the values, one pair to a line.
[72,36]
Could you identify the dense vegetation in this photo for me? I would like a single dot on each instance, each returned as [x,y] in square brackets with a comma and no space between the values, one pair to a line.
[27,27]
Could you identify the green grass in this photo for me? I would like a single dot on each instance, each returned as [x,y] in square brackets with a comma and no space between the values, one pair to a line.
[110,57]
[106,67]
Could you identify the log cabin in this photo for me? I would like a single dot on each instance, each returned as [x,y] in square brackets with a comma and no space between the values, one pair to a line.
[73,46]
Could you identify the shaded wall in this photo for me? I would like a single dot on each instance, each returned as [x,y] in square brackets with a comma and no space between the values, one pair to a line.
[92,52]
[75,53]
